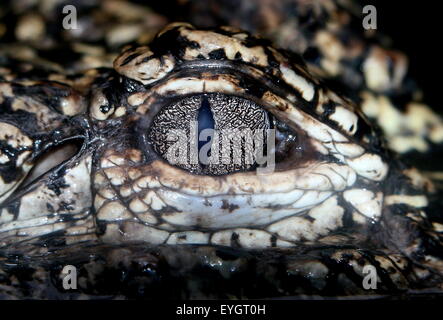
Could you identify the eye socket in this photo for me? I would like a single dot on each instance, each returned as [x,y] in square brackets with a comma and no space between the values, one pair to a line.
[218,134]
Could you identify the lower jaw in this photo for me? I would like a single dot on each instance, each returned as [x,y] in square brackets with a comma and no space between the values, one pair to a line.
[205,272]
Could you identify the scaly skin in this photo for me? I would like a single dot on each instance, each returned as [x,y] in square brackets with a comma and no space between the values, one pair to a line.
[343,201]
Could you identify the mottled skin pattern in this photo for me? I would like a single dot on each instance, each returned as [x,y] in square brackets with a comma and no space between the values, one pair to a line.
[115,207]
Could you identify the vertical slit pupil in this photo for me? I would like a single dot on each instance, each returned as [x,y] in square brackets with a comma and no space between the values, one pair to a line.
[205,120]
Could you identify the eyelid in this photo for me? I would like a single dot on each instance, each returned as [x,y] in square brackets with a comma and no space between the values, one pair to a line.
[294,111]
[243,72]
[226,81]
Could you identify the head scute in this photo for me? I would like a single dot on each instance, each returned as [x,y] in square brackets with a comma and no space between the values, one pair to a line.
[181,42]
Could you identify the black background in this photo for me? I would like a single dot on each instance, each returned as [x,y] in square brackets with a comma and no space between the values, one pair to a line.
[416,29]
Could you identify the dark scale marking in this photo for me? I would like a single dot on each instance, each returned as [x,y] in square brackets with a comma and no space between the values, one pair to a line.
[113,90]
[329,109]
[64,206]
[25,120]
[9,150]
[271,59]
[161,45]
[251,42]
[294,58]
[273,241]
[235,243]
[428,245]
[347,220]
[50,207]
[53,239]
[129,58]
[100,227]
[146,59]
[229,254]
[13,208]
[252,87]
[56,181]
[48,94]
[363,129]
[67,217]
[130,86]
[166,210]
[229,206]
[9,172]
[390,67]
[218,54]
[207,203]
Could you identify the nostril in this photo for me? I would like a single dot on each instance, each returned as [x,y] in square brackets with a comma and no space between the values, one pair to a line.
[52,158]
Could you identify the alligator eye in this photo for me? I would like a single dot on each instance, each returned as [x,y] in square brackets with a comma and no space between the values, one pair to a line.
[208,115]
[212,134]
